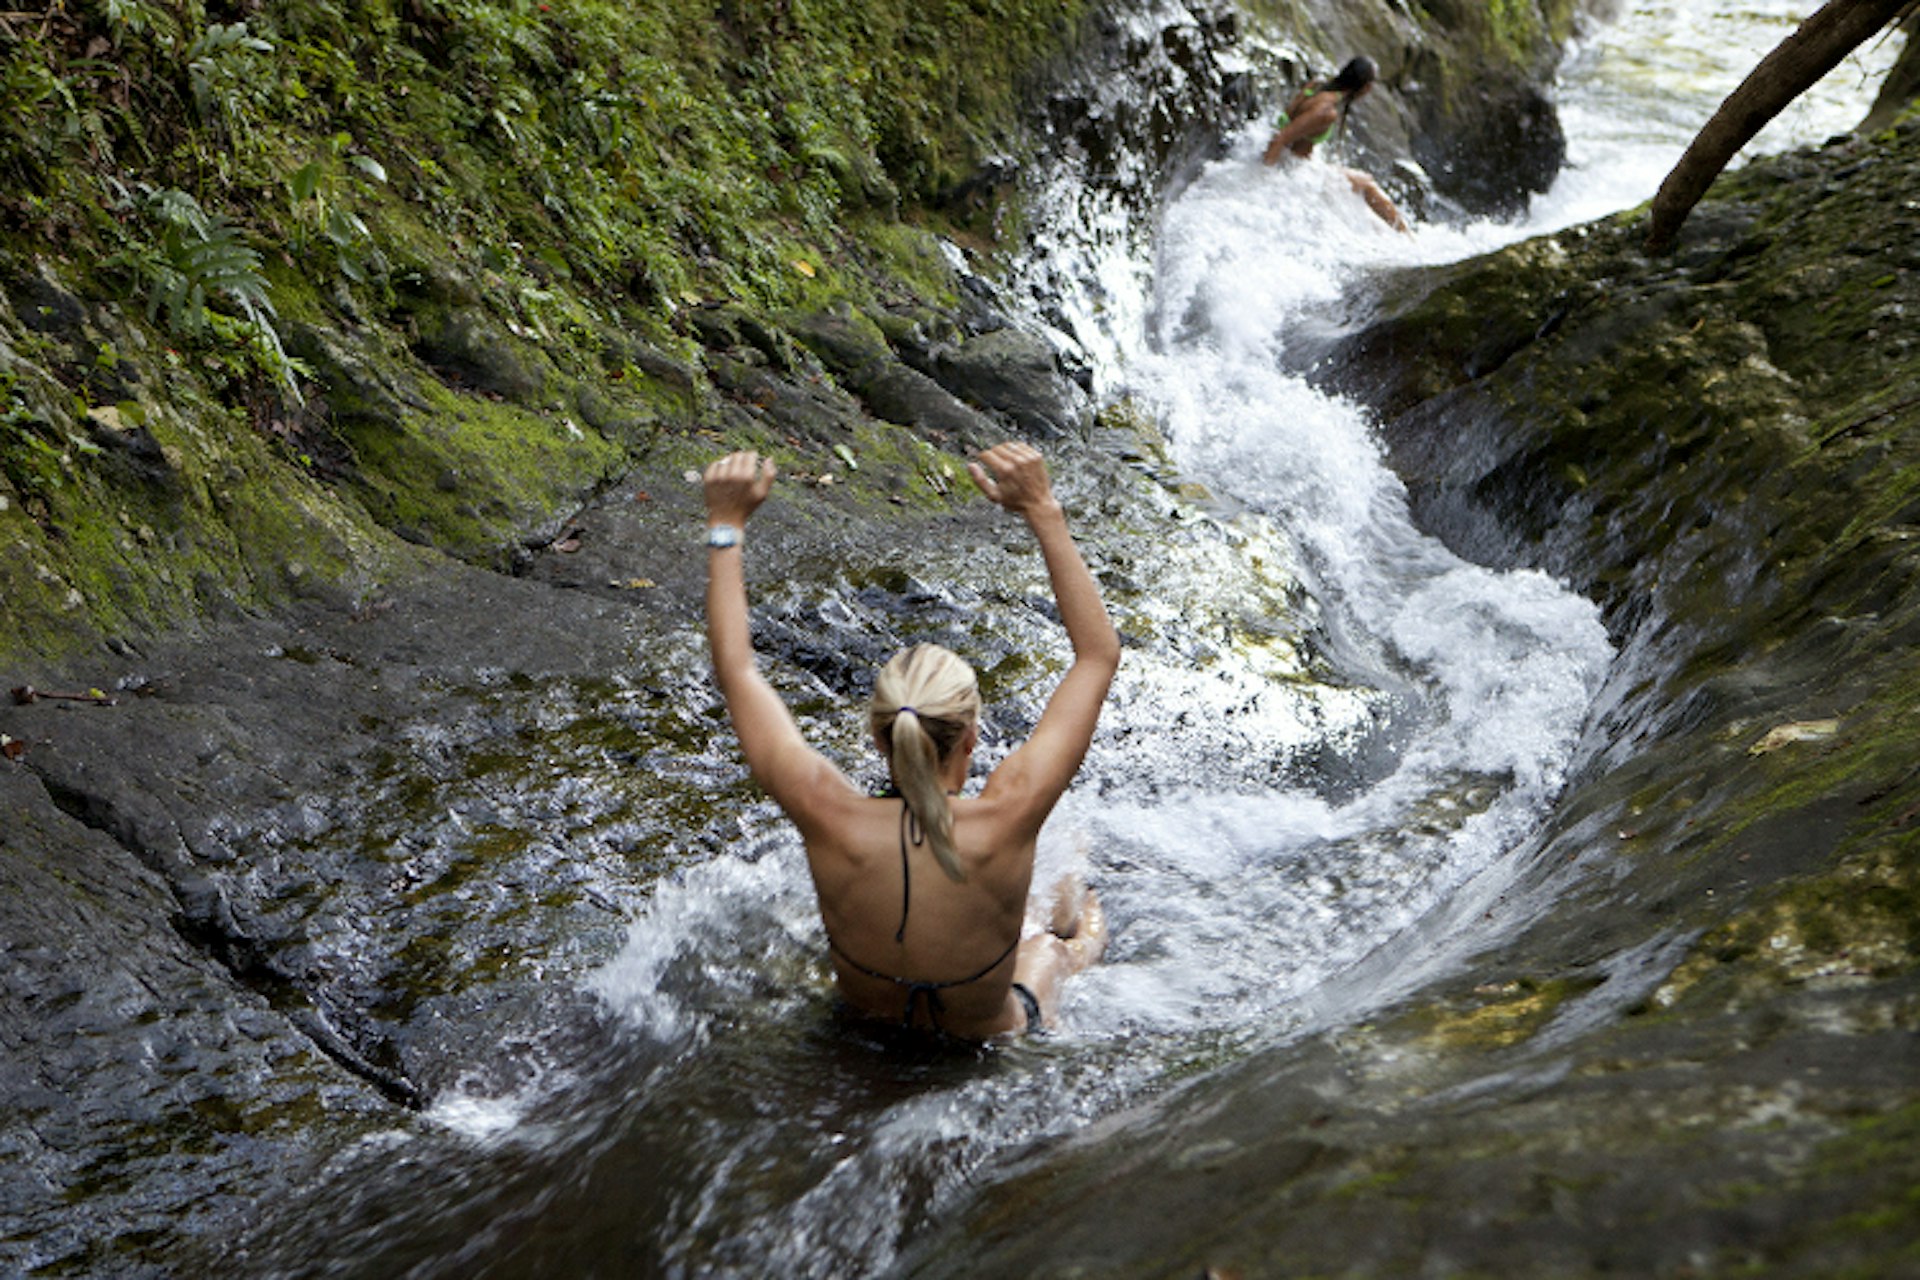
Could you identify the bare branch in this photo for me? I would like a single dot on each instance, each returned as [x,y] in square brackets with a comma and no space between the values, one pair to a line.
[1815,48]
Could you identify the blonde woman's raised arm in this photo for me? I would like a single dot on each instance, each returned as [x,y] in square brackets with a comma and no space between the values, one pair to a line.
[1015,476]
[782,762]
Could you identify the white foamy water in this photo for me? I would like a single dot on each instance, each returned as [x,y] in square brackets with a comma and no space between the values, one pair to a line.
[1237,905]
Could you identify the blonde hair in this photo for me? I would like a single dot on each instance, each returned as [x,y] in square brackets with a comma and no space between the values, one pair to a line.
[924,701]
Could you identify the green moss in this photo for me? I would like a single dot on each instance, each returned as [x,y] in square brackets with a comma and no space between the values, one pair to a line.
[1502,1016]
[468,468]
[1875,1158]
[173,506]
[896,466]
[911,256]
[577,175]
[1376,1182]
[1516,27]
[1860,920]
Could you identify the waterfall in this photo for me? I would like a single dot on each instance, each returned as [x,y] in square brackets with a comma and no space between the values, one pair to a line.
[785,1143]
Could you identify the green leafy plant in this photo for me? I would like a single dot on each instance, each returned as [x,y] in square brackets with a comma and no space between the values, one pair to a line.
[218,56]
[131,15]
[319,196]
[232,82]
[36,108]
[203,257]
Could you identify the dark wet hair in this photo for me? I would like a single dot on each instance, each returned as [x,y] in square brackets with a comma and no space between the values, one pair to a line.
[1357,74]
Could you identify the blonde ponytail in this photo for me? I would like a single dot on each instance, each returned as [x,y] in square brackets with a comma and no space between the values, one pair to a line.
[924,701]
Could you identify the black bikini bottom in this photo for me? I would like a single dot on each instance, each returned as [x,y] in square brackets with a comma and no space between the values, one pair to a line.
[1032,1003]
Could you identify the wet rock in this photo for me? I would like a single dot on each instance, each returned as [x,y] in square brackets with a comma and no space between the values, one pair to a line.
[44,305]
[617,421]
[812,410]
[848,342]
[1019,375]
[902,394]
[1488,161]
[467,346]
[101,999]
[358,384]
[622,350]
[435,281]
[132,447]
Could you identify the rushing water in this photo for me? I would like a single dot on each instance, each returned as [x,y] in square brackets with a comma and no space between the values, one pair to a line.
[715,1117]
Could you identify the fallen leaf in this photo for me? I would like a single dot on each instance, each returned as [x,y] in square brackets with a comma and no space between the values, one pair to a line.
[1799,731]
[12,748]
[108,417]
[804,267]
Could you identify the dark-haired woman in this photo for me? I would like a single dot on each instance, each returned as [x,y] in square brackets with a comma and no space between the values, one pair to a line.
[923,890]
[1316,113]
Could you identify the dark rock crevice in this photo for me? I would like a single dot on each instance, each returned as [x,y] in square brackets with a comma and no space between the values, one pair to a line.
[205,921]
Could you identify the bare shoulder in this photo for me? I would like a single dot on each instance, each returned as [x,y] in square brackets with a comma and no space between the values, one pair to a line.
[821,799]
[1015,800]
[1321,106]
[997,838]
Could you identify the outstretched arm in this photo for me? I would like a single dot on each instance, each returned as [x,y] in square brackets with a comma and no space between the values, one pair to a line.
[782,762]
[1014,476]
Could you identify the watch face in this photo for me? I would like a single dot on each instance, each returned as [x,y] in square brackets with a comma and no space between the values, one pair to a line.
[723,535]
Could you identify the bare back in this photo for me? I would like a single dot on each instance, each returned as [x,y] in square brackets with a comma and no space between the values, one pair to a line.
[898,923]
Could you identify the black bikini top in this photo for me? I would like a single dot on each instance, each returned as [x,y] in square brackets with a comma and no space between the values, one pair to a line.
[911,834]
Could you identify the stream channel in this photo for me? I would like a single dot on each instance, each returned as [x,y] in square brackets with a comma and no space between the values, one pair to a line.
[701,1110]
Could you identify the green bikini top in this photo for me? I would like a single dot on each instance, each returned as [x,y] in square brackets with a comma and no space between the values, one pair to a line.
[1325,135]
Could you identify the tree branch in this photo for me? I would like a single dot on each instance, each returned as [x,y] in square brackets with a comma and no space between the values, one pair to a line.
[1815,48]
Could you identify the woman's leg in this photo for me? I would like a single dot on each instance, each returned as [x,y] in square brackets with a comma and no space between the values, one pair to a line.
[1376,199]
[1074,939]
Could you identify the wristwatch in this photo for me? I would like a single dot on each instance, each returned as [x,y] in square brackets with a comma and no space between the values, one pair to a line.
[723,535]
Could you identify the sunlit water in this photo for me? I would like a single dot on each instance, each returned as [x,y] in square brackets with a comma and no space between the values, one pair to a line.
[1637,90]
[773,1139]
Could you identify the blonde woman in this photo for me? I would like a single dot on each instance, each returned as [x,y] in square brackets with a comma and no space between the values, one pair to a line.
[923,890]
